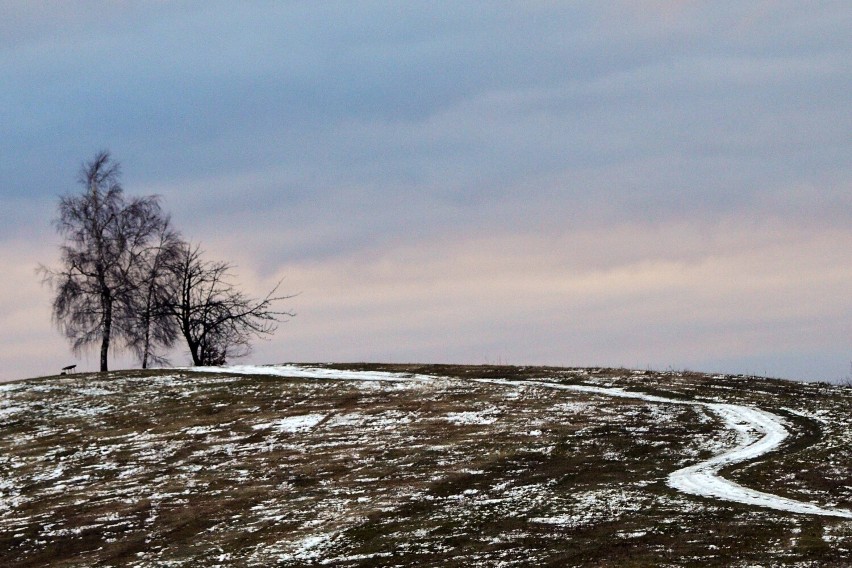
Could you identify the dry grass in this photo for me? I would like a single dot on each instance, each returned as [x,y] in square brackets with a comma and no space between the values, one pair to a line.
[169,468]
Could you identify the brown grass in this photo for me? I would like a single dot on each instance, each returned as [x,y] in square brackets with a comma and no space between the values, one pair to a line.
[149,468]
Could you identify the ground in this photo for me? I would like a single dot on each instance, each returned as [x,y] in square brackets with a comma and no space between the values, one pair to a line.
[428,467]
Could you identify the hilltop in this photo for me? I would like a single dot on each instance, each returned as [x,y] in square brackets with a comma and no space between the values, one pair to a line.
[423,465]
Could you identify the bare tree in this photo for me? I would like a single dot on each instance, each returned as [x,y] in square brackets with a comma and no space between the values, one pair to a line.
[146,311]
[216,319]
[106,236]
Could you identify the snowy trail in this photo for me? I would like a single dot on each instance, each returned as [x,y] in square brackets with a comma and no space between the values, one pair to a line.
[701,479]
[298,372]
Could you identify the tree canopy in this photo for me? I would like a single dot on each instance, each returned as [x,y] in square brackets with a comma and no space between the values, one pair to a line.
[126,274]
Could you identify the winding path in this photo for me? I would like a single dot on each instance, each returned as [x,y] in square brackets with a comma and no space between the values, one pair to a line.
[701,479]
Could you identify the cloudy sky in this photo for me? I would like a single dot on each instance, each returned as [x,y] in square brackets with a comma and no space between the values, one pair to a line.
[647,184]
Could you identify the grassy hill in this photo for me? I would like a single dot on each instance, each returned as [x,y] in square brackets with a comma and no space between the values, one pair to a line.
[186,468]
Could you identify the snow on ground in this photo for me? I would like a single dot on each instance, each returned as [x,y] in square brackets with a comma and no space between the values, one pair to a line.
[760,432]
[303,372]
[375,466]
[292,424]
[468,417]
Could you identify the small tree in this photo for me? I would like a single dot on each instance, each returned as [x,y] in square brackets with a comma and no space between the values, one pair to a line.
[106,237]
[216,319]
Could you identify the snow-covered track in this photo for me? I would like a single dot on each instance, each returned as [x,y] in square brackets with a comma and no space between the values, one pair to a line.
[701,479]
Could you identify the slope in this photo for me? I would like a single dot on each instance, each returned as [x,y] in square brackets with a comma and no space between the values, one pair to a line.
[416,465]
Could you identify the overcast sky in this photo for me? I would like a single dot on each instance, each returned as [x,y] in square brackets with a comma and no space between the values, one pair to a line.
[642,184]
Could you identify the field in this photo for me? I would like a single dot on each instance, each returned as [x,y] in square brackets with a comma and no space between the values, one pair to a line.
[408,465]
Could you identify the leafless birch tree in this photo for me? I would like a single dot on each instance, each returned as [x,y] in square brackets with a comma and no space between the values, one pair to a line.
[150,326]
[106,238]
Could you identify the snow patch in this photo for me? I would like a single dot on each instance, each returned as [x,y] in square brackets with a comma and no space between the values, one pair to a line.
[470,418]
[292,424]
[299,372]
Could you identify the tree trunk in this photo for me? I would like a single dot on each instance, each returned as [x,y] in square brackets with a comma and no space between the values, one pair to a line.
[193,350]
[145,355]
[107,329]
[147,341]
[146,317]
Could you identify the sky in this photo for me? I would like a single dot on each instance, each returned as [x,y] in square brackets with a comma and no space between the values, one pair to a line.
[648,184]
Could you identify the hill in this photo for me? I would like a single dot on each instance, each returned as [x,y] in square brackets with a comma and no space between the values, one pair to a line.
[409,465]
